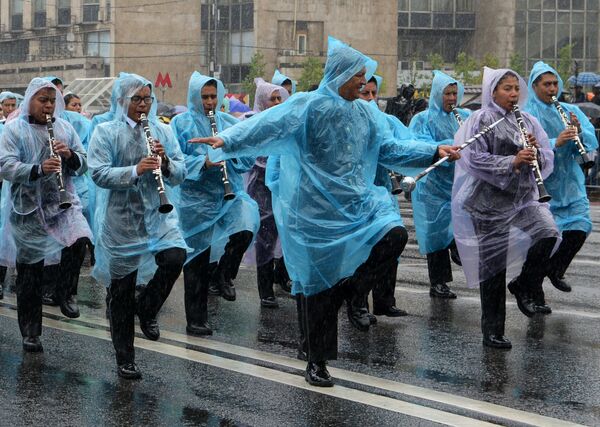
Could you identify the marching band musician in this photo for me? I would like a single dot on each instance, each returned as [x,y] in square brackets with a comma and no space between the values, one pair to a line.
[432,196]
[569,205]
[135,243]
[219,231]
[497,219]
[38,225]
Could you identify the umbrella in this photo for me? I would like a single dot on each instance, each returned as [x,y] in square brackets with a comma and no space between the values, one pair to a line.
[584,79]
[589,109]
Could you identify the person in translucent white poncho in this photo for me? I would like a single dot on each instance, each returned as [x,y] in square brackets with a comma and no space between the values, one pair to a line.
[431,198]
[569,205]
[219,231]
[339,232]
[499,225]
[38,225]
[135,243]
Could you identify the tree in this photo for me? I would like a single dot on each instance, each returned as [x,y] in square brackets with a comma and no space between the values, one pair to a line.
[312,73]
[565,59]
[490,60]
[436,60]
[465,67]
[257,69]
[516,63]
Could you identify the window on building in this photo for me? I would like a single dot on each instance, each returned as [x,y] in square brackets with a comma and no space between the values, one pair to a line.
[108,13]
[301,44]
[420,20]
[403,20]
[39,13]
[443,5]
[223,17]
[16,15]
[236,13]
[14,51]
[54,47]
[247,16]
[420,6]
[464,6]
[63,12]
[403,5]
[98,44]
[91,10]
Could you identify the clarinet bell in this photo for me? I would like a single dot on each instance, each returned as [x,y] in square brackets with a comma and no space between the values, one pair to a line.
[408,184]
[544,196]
[229,194]
[63,199]
[396,185]
[586,161]
[165,206]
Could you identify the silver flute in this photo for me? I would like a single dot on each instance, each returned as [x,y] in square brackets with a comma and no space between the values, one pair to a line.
[165,206]
[228,190]
[63,196]
[587,161]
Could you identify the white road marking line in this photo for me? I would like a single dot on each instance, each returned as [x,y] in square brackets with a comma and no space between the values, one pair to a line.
[481,407]
[339,392]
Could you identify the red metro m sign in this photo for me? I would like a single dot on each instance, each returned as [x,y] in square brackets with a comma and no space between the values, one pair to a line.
[163,81]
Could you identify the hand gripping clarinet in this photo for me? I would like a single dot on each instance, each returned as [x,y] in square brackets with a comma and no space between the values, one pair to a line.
[587,161]
[63,197]
[537,174]
[229,194]
[409,183]
[165,206]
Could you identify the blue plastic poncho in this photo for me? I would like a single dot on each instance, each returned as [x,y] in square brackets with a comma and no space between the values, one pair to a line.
[432,196]
[4,95]
[279,78]
[207,220]
[569,205]
[495,210]
[128,228]
[331,212]
[38,225]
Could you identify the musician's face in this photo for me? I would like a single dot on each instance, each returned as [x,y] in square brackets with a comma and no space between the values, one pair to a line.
[350,90]
[274,99]
[288,87]
[42,104]
[209,98]
[449,98]
[546,87]
[369,92]
[8,106]
[74,105]
[136,109]
[507,92]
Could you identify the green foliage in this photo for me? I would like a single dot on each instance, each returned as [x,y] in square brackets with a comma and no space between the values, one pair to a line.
[257,69]
[312,73]
[464,67]
[517,64]
[490,60]
[565,60]
[436,60]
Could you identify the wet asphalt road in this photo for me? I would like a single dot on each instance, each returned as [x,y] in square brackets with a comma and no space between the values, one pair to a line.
[425,369]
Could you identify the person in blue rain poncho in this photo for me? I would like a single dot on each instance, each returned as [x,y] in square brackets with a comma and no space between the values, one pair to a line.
[284,81]
[569,205]
[499,224]
[38,225]
[134,241]
[8,102]
[219,231]
[431,198]
[270,267]
[337,227]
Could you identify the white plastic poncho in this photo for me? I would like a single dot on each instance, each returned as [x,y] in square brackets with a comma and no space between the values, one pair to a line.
[207,220]
[331,212]
[39,227]
[431,198]
[128,228]
[495,212]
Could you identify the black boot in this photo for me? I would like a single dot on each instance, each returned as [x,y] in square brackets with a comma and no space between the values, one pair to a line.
[524,301]
[32,345]
[539,302]
[317,374]
[129,371]
[358,314]
[441,290]
[496,341]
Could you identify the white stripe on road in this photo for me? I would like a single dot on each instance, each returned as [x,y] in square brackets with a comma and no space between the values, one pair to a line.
[297,381]
[484,408]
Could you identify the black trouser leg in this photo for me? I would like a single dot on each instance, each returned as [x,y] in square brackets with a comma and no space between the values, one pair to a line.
[195,280]
[70,265]
[265,276]
[229,263]
[572,241]
[122,317]
[281,273]
[29,298]
[535,268]
[383,292]
[303,344]
[438,265]
[493,304]
[170,262]
[51,280]
[2,273]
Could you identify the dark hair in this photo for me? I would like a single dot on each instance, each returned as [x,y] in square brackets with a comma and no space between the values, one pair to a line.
[538,78]
[286,82]
[504,77]
[373,80]
[56,81]
[69,97]
[211,82]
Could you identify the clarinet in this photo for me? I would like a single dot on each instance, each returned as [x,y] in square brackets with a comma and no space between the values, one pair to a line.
[396,184]
[63,197]
[457,116]
[165,206]
[587,162]
[537,174]
[409,183]
[229,194]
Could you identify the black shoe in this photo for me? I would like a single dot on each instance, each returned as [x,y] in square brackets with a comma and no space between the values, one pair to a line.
[48,299]
[1,292]
[32,345]
[559,283]
[286,286]
[496,341]
[441,290]
[301,355]
[129,371]
[392,311]
[542,308]
[69,308]
[199,329]
[150,328]
[317,374]
[358,317]
[372,319]
[214,289]
[228,291]
[524,301]
[269,302]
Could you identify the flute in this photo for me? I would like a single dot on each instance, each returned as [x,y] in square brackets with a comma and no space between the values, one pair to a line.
[229,194]
[587,161]
[409,183]
[63,197]
[537,174]
[165,206]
